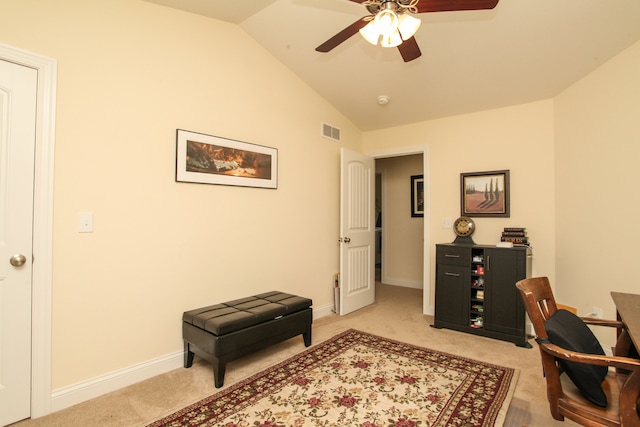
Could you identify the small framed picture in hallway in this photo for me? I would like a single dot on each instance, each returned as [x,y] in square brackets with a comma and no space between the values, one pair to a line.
[485,194]
[417,196]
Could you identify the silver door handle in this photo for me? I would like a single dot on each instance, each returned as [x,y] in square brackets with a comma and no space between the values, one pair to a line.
[18,260]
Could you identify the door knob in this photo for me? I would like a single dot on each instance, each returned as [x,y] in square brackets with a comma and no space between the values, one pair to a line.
[18,260]
[347,240]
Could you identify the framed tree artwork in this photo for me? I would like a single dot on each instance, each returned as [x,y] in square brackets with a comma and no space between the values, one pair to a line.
[484,194]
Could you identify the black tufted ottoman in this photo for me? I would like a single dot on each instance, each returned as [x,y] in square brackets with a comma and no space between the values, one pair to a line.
[223,332]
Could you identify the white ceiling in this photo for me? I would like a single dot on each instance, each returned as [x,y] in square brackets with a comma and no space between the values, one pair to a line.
[521,51]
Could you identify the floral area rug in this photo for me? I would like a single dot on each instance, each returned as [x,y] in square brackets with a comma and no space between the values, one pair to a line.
[359,379]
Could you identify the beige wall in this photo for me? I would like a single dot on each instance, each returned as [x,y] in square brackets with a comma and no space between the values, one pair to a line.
[597,178]
[518,138]
[574,179]
[129,74]
[402,262]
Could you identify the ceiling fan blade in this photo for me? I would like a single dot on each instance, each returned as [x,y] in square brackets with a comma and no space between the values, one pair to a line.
[409,50]
[343,35]
[425,6]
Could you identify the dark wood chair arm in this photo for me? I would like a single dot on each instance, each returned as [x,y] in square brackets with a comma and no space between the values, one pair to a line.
[627,363]
[602,322]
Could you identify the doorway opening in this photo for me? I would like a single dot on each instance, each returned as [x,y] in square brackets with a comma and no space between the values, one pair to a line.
[400,244]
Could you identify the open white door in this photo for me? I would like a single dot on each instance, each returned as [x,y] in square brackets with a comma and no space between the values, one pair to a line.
[357,231]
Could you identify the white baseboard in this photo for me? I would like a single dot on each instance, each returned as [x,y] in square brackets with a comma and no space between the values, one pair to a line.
[323,311]
[402,282]
[431,311]
[530,331]
[81,392]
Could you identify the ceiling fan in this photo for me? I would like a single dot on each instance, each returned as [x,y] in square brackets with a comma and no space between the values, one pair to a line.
[391,25]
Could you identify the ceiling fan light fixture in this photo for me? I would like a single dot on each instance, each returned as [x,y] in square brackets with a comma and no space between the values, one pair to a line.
[408,26]
[383,29]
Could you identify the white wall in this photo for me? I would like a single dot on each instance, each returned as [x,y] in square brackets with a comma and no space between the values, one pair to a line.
[518,138]
[129,74]
[598,197]
[574,179]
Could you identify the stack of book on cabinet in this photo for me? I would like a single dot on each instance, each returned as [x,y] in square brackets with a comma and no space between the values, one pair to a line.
[515,235]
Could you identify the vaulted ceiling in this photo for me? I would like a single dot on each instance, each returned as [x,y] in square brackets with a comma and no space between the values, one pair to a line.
[521,51]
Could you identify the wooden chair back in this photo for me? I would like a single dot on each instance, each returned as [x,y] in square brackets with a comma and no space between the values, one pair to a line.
[538,301]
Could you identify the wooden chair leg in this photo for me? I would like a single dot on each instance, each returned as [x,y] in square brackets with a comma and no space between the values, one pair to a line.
[188,356]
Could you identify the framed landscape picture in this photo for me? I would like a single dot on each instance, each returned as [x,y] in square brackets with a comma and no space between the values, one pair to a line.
[485,194]
[209,159]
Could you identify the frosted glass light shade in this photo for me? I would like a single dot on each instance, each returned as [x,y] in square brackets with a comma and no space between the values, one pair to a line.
[408,26]
[370,33]
[386,22]
[392,40]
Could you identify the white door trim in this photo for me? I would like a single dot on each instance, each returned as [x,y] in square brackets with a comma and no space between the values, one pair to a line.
[42,224]
[427,305]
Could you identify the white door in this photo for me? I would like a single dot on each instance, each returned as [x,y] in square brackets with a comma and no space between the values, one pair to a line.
[17,145]
[357,231]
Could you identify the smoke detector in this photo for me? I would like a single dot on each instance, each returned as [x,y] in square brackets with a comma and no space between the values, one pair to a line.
[383,100]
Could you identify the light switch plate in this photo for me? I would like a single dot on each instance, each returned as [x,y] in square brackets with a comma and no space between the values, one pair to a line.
[85,222]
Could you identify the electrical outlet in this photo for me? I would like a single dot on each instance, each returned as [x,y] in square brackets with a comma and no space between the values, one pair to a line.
[446,223]
[596,312]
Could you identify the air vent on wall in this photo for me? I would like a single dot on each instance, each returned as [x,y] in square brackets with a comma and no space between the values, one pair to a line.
[330,132]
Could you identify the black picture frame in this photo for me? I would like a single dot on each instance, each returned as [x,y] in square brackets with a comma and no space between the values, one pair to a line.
[485,194]
[417,196]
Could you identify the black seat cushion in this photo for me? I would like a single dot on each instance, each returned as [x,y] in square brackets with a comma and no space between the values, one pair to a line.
[568,331]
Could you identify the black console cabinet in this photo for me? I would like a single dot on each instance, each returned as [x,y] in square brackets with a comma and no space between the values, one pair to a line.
[476,292]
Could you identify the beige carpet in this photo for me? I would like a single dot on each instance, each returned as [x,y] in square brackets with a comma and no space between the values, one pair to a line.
[396,314]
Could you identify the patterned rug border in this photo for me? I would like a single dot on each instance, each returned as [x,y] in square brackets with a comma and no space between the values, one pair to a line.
[267,383]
